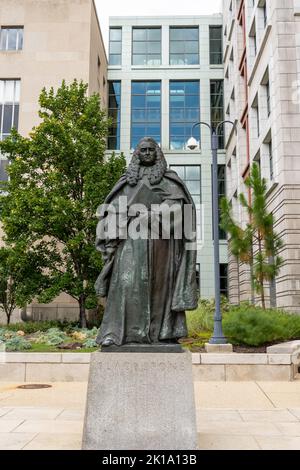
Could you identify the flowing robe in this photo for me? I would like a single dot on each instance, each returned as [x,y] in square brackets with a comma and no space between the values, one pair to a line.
[148,283]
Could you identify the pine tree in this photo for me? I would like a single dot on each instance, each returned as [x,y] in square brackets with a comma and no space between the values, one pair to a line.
[257,245]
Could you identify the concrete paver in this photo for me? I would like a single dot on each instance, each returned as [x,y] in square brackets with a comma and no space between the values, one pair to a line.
[231,395]
[15,441]
[278,443]
[232,416]
[221,442]
[270,416]
[50,426]
[47,441]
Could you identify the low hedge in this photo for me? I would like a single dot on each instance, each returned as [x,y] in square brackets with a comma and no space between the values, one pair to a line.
[245,325]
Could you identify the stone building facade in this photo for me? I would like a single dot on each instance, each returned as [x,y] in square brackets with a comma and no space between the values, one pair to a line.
[41,43]
[262,93]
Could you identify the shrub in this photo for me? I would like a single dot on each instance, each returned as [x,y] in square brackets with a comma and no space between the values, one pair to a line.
[52,337]
[34,327]
[253,326]
[17,343]
[202,319]
[90,343]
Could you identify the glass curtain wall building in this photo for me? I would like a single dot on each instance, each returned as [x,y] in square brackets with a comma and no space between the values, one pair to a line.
[165,75]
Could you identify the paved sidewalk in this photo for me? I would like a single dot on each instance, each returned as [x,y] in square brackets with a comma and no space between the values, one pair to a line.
[231,415]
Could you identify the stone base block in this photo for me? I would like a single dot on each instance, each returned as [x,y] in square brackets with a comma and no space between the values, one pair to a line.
[140,402]
[218,348]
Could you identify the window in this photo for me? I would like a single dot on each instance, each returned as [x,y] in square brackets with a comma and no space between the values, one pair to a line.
[184,46]
[145,111]
[114,112]
[146,46]
[115,46]
[191,176]
[255,107]
[215,45]
[9,114]
[265,13]
[224,279]
[184,112]
[11,38]
[268,98]
[9,106]
[271,160]
[217,107]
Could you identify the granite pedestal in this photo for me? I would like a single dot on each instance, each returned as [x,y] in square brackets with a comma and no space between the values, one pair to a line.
[140,401]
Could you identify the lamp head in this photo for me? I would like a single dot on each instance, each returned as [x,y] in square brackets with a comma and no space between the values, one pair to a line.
[192,143]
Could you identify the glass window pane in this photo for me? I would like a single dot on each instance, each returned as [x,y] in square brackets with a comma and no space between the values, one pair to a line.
[3,173]
[177,88]
[153,47]
[153,101]
[193,186]
[177,47]
[16,117]
[153,115]
[2,91]
[115,34]
[191,47]
[153,59]
[138,59]
[20,39]
[153,130]
[17,91]
[115,59]
[115,47]
[138,88]
[139,130]
[191,88]
[177,143]
[138,101]
[154,34]
[193,173]
[193,34]
[7,118]
[3,39]
[177,59]
[192,114]
[215,32]
[12,39]
[139,115]
[139,47]
[9,91]
[191,59]
[139,34]
[148,111]
[153,88]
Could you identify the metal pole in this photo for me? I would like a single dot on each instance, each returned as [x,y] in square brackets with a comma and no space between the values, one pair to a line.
[218,336]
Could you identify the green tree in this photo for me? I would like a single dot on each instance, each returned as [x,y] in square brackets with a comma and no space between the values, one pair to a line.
[257,245]
[22,276]
[58,177]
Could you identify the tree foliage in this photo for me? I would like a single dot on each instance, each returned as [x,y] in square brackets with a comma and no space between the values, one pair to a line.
[58,177]
[257,245]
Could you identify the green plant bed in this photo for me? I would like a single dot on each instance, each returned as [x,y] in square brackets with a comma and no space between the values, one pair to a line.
[245,325]
[253,326]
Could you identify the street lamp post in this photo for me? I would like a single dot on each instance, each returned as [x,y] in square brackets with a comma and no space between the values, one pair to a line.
[218,336]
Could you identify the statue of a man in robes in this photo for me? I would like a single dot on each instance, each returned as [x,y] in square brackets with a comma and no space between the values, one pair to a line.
[148,281]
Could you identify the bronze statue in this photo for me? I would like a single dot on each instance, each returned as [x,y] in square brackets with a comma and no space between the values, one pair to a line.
[148,282]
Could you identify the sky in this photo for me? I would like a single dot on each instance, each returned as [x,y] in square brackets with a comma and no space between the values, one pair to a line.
[107,8]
